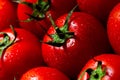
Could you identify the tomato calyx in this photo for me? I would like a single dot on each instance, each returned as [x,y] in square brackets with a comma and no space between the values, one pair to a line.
[96,74]
[6,42]
[39,9]
[61,34]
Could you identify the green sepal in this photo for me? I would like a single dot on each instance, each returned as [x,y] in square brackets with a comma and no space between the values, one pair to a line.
[61,34]
[6,42]
[98,73]
[39,10]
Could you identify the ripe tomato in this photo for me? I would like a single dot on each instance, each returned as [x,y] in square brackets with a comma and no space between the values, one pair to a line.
[20,51]
[37,10]
[72,42]
[8,15]
[98,8]
[4,75]
[44,73]
[113,28]
[101,67]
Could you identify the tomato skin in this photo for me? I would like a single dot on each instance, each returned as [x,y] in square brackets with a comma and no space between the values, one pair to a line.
[90,39]
[37,26]
[33,26]
[44,73]
[98,8]
[4,75]
[22,55]
[110,61]
[8,15]
[113,28]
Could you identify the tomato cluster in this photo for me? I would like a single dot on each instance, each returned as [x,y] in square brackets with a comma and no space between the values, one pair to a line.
[59,40]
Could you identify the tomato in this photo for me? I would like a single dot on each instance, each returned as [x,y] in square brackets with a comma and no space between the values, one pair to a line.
[8,15]
[20,51]
[98,8]
[113,28]
[35,12]
[44,73]
[4,75]
[101,67]
[69,43]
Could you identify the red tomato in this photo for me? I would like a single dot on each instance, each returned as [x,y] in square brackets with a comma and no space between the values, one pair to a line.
[4,75]
[98,8]
[101,67]
[44,73]
[22,54]
[113,28]
[74,42]
[8,15]
[39,25]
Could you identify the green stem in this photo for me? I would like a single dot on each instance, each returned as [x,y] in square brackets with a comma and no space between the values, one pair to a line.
[61,34]
[96,74]
[6,42]
[52,22]
[39,9]
[65,27]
